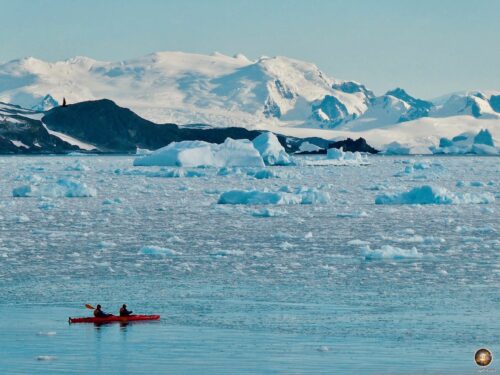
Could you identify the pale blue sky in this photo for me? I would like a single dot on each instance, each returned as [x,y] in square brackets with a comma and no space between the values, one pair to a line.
[427,47]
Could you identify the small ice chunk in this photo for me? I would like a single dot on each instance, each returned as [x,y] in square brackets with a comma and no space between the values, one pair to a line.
[358,242]
[23,218]
[64,187]
[156,251]
[389,252]
[267,212]
[263,174]
[355,214]
[49,333]
[46,358]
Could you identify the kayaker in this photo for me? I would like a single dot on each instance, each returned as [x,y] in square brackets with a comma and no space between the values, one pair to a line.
[124,311]
[98,313]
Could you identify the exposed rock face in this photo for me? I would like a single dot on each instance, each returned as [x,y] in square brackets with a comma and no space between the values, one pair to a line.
[348,144]
[20,134]
[115,129]
[417,108]
[330,111]
[359,145]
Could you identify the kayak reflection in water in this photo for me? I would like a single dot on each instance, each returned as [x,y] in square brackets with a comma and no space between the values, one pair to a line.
[98,313]
[124,311]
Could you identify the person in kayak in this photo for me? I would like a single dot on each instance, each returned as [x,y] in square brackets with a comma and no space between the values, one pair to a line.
[98,313]
[124,311]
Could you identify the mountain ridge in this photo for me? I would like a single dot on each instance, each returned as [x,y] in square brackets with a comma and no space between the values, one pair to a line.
[278,94]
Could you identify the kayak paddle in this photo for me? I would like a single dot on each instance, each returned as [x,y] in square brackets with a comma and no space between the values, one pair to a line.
[89,306]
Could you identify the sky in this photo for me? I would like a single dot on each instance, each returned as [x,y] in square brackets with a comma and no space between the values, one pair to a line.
[430,48]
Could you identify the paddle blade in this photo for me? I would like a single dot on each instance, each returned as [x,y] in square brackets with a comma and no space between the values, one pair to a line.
[90,307]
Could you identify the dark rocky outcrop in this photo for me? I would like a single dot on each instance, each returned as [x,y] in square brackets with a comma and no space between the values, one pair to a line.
[359,145]
[115,129]
[348,144]
[31,136]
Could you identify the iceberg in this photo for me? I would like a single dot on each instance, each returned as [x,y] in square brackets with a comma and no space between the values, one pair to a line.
[468,143]
[433,195]
[350,157]
[283,196]
[309,147]
[271,150]
[232,153]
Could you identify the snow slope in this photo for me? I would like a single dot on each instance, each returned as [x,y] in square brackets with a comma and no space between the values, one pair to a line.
[272,93]
[182,88]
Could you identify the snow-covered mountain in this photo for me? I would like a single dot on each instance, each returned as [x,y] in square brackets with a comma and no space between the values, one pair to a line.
[275,93]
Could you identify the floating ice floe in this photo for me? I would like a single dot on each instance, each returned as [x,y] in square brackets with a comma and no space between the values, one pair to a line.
[77,166]
[271,150]
[162,173]
[338,157]
[433,195]
[22,219]
[476,184]
[263,174]
[284,196]
[468,143]
[323,348]
[231,153]
[49,333]
[157,251]
[358,242]
[355,214]
[46,358]
[389,252]
[412,167]
[225,253]
[64,187]
[268,212]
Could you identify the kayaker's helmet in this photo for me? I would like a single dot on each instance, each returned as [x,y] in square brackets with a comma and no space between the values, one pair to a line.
[124,306]
[98,307]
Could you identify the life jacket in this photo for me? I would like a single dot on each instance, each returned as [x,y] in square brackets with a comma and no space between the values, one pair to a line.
[124,312]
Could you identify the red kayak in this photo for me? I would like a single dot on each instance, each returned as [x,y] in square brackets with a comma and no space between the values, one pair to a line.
[115,319]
